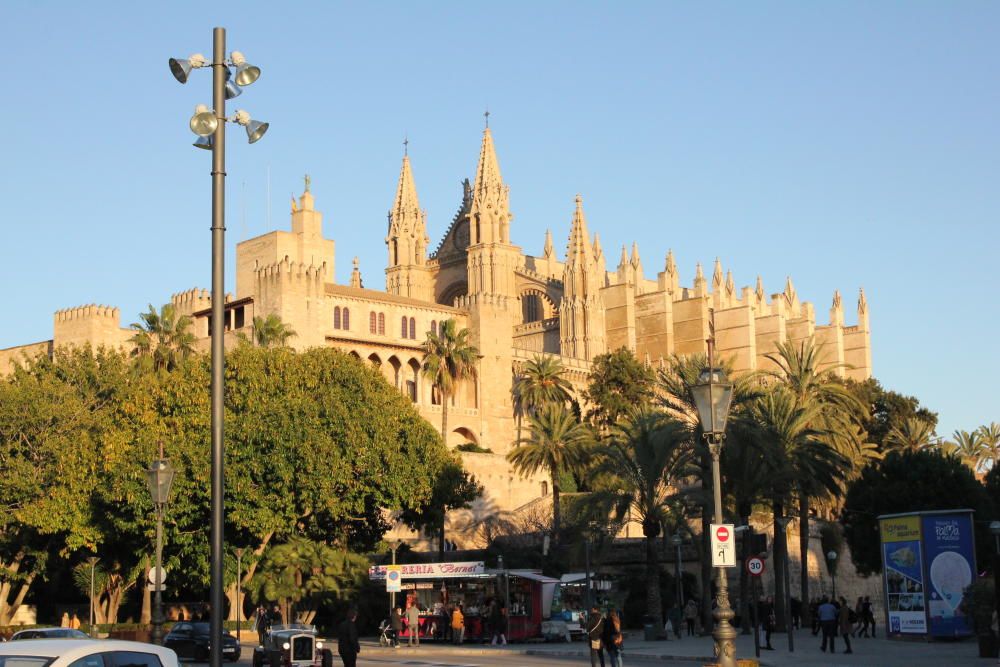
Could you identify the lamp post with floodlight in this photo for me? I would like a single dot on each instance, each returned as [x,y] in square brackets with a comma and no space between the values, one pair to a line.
[712,396]
[210,126]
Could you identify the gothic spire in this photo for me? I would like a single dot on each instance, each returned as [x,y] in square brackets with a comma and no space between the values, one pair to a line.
[730,285]
[579,249]
[862,302]
[356,275]
[671,266]
[548,250]
[717,276]
[759,290]
[623,262]
[489,186]
[406,204]
[789,290]
[598,250]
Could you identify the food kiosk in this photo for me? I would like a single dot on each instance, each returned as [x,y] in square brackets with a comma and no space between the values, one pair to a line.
[436,588]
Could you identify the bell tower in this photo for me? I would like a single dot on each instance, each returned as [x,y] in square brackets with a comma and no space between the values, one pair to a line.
[406,273]
[581,313]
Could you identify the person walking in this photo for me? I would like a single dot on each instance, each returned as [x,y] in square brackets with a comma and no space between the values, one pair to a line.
[74,621]
[413,624]
[613,639]
[500,627]
[396,622]
[814,615]
[868,613]
[846,625]
[595,635]
[458,624]
[676,616]
[767,619]
[859,624]
[690,616]
[827,615]
[348,645]
[274,618]
[260,623]
[64,623]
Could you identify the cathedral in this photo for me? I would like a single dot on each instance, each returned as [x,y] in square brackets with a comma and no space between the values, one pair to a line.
[515,306]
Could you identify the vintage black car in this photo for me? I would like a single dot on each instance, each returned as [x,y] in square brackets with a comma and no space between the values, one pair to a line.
[293,645]
[190,640]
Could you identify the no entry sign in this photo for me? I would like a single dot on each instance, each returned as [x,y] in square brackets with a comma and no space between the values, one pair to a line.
[723,545]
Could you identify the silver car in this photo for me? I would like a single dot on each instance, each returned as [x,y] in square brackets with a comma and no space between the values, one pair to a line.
[84,653]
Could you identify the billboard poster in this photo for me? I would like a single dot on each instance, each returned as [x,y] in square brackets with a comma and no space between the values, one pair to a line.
[949,555]
[904,576]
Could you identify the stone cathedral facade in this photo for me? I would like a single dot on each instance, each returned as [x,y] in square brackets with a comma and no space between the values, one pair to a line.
[515,305]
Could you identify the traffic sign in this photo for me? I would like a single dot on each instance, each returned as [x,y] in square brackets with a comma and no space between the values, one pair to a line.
[153,573]
[393,578]
[755,566]
[723,545]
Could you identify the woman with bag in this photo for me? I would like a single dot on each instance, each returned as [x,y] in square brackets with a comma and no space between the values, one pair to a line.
[595,635]
[613,638]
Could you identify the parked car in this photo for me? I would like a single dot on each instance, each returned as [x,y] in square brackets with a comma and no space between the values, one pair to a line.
[191,640]
[84,653]
[50,633]
[294,645]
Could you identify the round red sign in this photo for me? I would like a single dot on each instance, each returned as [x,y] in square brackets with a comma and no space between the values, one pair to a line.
[722,534]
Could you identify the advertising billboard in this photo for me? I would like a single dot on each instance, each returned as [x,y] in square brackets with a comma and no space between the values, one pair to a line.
[949,555]
[903,575]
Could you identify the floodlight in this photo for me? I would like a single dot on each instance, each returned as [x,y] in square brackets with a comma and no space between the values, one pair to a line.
[204,122]
[181,68]
[232,90]
[204,142]
[255,128]
[245,72]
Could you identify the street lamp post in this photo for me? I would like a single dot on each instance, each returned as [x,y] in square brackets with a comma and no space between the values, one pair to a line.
[783,522]
[210,126]
[239,604]
[159,476]
[92,561]
[831,559]
[712,396]
[677,541]
[995,529]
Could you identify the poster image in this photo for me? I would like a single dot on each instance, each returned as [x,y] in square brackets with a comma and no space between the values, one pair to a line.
[950,568]
[904,587]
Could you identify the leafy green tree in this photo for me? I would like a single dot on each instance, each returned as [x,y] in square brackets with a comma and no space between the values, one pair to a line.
[449,357]
[454,488]
[910,481]
[618,383]
[649,455]
[539,383]
[557,443]
[270,331]
[300,574]
[163,339]
[885,408]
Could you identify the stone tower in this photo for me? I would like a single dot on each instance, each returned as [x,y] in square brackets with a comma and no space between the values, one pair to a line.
[581,320]
[406,273]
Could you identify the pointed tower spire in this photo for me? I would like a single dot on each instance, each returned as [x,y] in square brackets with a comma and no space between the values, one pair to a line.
[579,248]
[717,276]
[490,214]
[671,266]
[407,240]
[837,310]
[668,280]
[699,280]
[356,275]
[759,290]
[548,250]
[790,291]
[623,262]
[730,285]
[862,310]
[635,254]
[600,262]
[581,312]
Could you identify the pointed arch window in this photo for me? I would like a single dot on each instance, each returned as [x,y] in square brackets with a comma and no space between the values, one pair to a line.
[347,318]
[434,327]
[381,324]
[372,322]
[403,327]
[336,317]
[413,328]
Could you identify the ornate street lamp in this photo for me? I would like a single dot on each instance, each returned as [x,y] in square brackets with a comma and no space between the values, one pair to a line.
[712,396]
[159,477]
[831,564]
[677,541]
[210,126]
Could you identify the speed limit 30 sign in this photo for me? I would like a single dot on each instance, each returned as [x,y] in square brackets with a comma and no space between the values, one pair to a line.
[755,566]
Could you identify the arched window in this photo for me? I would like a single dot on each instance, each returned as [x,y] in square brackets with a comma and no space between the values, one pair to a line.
[347,318]
[531,308]
[413,328]
[403,327]
[434,327]
[545,488]
[381,324]
[336,317]
[372,322]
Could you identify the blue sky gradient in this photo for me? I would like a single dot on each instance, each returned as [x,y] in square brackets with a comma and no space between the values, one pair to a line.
[844,144]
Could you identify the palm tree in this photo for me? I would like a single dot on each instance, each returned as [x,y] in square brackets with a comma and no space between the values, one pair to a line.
[912,435]
[448,359]
[163,337]
[556,442]
[990,438]
[839,415]
[967,447]
[648,455]
[270,331]
[799,454]
[539,383]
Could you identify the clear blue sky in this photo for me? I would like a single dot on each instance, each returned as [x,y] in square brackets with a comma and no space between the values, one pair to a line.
[845,144]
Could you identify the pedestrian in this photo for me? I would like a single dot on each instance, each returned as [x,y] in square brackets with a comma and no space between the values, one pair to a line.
[595,635]
[396,621]
[413,623]
[869,614]
[767,620]
[844,620]
[74,621]
[827,615]
[795,609]
[676,616]
[261,624]
[64,623]
[613,639]
[690,616]
[348,645]
[458,624]
[814,615]
[500,627]
[858,623]
[275,617]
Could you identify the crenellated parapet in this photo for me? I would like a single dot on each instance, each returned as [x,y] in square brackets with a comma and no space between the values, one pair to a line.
[88,312]
[92,324]
[191,301]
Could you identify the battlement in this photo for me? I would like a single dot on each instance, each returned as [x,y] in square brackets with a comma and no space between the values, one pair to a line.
[88,312]
[290,270]
[191,300]
[467,301]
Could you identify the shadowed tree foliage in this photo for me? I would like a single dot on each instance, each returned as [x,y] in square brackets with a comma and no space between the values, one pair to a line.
[885,408]
[618,383]
[539,383]
[454,488]
[911,434]
[162,339]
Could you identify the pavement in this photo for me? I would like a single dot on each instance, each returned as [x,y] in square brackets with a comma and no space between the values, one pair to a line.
[699,651]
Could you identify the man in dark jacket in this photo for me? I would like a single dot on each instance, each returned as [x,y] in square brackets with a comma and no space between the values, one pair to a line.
[396,621]
[595,635]
[347,640]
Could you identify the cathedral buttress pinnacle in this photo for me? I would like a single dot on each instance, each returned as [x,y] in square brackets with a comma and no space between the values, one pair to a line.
[490,215]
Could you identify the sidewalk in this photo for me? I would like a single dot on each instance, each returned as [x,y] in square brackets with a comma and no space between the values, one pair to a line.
[699,650]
